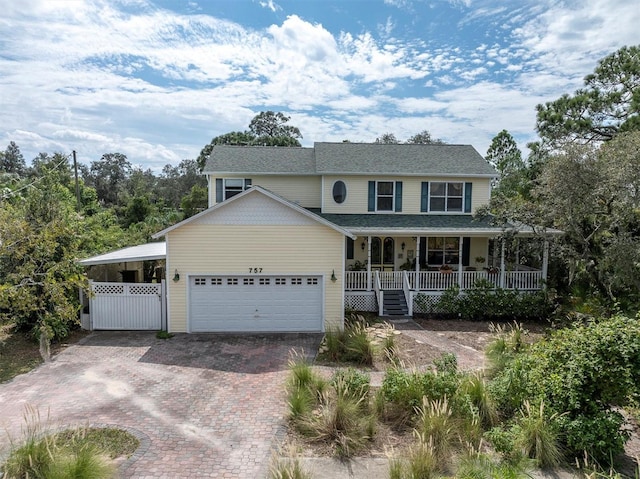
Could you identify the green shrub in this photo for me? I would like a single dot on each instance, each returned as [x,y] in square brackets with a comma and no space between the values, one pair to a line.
[581,374]
[403,391]
[485,302]
[351,382]
[600,434]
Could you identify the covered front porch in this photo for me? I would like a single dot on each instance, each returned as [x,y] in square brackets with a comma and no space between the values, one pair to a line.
[402,267]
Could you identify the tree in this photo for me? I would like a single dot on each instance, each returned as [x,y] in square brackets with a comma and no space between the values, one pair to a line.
[267,128]
[271,125]
[591,194]
[387,139]
[424,138]
[608,104]
[195,201]
[108,176]
[176,182]
[12,161]
[39,246]
[504,155]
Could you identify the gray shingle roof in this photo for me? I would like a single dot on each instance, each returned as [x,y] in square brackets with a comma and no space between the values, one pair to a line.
[350,158]
[372,158]
[261,159]
[359,222]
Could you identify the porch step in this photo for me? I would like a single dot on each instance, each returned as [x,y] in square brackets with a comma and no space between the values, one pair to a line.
[394,304]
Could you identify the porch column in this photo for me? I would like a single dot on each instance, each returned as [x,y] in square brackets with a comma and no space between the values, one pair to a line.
[502,263]
[417,254]
[517,254]
[460,240]
[368,263]
[545,261]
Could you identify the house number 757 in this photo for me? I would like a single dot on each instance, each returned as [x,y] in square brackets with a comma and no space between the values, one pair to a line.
[255,270]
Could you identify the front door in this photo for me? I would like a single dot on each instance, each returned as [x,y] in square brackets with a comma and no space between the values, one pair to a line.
[382,254]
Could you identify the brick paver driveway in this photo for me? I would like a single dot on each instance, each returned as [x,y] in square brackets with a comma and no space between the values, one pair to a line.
[204,405]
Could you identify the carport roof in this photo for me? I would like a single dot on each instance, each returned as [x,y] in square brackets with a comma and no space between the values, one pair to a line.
[142,252]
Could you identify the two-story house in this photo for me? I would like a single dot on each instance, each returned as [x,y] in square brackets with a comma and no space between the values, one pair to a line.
[293,236]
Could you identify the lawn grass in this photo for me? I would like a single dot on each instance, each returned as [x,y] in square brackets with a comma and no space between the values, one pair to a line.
[20,353]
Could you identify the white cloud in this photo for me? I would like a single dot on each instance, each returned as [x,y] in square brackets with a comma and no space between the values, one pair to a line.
[270,5]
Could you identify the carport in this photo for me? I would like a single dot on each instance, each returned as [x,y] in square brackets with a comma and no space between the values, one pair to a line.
[123,300]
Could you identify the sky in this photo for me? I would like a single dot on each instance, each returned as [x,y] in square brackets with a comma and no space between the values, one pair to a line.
[156,80]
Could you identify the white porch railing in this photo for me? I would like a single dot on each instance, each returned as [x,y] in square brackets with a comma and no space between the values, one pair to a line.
[439,281]
[390,279]
[356,281]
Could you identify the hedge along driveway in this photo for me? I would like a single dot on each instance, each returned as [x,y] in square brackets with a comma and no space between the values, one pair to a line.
[209,405]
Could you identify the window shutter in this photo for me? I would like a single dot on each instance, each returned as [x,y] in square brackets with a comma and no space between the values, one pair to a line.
[247,183]
[219,192]
[372,196]
[424,197]
[467,197]
[466,248]
[349,248]
[398,196]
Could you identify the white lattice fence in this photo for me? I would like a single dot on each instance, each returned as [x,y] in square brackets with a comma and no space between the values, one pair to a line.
[426,302]
[361,301]
[126,306]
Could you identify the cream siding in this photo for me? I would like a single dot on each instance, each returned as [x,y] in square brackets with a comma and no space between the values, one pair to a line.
[234,249]
[358,192]
[302,190]
[478,247]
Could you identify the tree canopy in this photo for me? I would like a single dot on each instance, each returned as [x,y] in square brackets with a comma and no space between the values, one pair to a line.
[267,128]
[608,104]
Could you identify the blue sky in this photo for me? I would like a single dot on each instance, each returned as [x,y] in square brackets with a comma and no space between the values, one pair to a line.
[156,80]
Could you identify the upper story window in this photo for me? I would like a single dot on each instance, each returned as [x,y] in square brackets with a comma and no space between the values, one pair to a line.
[384,196]
[339,192]
[229,187]
[446,196]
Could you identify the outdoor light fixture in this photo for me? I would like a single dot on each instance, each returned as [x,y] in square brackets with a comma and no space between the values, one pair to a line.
[333,276]
[403,245]
[362,246]
[176,276]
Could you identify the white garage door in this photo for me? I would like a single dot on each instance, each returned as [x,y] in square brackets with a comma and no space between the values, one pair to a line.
[255,303]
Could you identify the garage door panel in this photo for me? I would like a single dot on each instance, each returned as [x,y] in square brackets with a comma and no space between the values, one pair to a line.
[255,304]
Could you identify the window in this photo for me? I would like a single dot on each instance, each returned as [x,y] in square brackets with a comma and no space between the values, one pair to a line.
[446,196]
[382,252]
[247,281]
[384,196]
[443,251]
[200,281]
[216,281]
[229,187]
[339,192]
